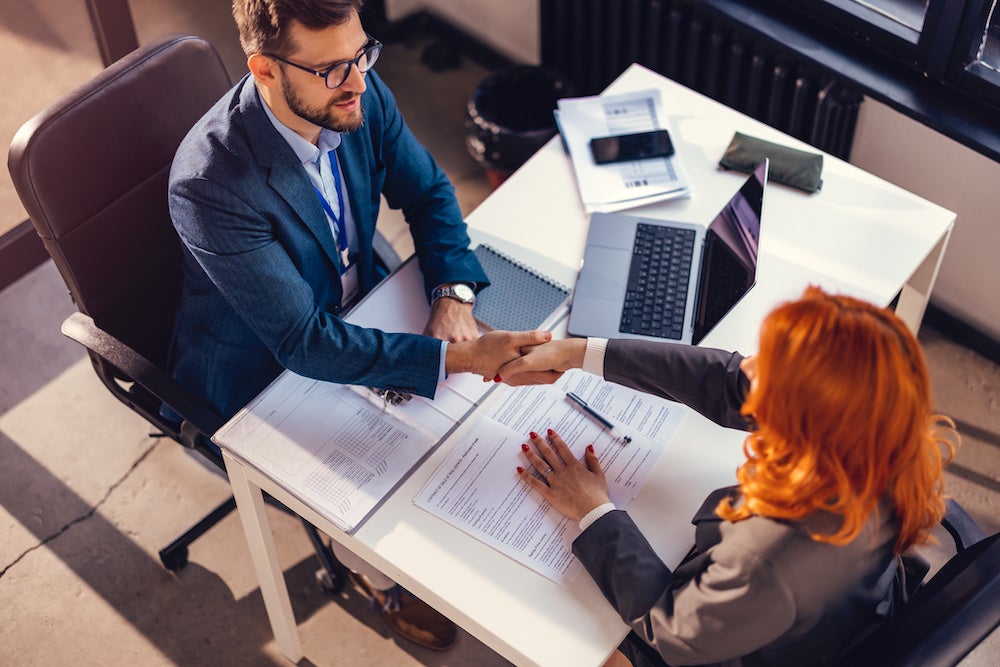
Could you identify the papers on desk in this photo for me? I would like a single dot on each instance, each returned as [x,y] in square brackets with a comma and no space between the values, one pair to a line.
[613,187]
[339,448]
[477,490]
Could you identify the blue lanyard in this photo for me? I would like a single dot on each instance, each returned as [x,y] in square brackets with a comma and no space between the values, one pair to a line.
[338,220]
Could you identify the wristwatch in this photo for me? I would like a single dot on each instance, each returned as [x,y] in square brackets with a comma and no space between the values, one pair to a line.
[458,291]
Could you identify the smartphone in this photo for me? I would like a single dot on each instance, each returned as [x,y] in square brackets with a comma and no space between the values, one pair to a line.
[627,147]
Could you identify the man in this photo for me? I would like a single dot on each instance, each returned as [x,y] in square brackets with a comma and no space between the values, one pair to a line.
[275,194]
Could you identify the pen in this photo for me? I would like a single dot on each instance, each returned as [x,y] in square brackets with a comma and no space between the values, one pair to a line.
[612,429]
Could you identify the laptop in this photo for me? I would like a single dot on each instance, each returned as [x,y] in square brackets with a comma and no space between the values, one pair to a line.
[668,281]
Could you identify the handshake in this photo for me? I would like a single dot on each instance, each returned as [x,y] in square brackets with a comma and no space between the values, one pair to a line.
[516,357]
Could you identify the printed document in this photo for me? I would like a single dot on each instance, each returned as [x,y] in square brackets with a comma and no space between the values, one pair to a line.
[329,445]
[477,490]
[342,449]
[613,187]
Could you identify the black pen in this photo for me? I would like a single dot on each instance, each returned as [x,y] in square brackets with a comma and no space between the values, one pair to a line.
[612,429]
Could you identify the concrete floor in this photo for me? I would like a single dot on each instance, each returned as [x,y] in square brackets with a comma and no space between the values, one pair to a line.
[88,496]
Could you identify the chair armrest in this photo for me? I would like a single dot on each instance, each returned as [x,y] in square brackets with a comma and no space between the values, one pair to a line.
[962,527]
[140,370]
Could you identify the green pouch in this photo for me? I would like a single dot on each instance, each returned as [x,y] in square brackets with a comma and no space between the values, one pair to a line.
[789,166]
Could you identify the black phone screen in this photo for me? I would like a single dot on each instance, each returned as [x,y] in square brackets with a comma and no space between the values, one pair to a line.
[626,147]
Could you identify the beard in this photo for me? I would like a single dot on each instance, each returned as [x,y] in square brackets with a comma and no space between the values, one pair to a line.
[323,117]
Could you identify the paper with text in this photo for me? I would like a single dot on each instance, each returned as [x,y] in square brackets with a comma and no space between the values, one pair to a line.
[612,187]
[477,490]
[327,444]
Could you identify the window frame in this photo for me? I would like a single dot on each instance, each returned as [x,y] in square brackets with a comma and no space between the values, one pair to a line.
[943,50]
[965,70]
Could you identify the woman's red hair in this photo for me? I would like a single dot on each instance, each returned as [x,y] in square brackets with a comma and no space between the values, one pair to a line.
[842,405]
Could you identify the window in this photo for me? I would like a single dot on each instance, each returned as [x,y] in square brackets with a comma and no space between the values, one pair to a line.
[978,66]
[907,14]
[953,42]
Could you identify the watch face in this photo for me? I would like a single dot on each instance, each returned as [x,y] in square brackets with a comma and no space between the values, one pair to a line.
[463,292]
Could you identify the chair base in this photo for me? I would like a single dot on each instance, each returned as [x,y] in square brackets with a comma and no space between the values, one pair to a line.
[330,578]
[174,556]
[333,575]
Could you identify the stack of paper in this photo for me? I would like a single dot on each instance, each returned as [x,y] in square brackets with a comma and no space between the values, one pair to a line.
[613,187]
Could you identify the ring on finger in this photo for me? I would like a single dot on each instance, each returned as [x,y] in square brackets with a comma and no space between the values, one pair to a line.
[545,473]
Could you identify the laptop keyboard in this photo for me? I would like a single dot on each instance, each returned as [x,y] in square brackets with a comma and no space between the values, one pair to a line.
[658,278]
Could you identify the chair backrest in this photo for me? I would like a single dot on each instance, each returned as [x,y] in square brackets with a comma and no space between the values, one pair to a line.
[92,172]
[949,615]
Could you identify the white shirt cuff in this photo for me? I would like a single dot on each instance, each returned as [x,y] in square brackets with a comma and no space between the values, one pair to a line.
[593,358]
[595,514]
[442,375]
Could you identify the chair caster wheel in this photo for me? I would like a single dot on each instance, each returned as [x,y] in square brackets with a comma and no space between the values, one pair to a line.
[330,586]
[174,560]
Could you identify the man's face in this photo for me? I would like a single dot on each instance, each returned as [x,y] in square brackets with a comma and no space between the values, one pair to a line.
[306,95]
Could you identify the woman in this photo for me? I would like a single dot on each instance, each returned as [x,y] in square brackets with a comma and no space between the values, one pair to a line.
[842,476]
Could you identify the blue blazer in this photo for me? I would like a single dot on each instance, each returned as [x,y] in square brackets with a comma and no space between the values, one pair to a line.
[261,288]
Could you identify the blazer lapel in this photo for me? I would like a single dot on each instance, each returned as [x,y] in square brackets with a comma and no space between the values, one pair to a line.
[286,175]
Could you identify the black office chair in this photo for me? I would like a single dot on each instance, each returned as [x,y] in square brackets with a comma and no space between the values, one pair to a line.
[92,171]
[950,614]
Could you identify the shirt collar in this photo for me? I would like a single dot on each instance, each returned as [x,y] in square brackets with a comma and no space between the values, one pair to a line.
[304,150]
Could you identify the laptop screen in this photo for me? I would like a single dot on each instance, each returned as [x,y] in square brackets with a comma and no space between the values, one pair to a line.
[729,266]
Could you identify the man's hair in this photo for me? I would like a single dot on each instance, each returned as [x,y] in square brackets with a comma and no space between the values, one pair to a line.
[263,24]
[843,410]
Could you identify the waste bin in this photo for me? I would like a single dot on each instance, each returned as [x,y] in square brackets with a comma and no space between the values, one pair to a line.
[510,117]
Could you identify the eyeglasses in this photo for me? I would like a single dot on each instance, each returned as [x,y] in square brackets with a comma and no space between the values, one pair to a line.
[335,75]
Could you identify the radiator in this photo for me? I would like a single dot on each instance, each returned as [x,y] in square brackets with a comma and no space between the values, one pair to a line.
[593,41]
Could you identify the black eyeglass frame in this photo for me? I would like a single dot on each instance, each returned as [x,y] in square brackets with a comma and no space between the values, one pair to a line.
[370,51]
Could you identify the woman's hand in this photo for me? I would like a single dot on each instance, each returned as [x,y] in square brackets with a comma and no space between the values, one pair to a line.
[572,487]
[544,364]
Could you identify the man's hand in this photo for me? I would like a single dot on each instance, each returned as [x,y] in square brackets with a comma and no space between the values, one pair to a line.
[451,320]
[486,354]
[544,364]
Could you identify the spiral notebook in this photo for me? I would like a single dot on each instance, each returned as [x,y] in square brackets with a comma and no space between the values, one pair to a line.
[518,297]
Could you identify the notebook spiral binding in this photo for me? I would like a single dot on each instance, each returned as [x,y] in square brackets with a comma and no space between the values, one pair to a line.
[521,265]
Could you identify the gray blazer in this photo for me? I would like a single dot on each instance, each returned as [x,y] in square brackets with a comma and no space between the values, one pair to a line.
[754,592]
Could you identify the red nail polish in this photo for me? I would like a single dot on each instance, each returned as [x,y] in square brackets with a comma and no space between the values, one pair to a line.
[524,448]
[497,378]
[551,432]
[533,435]
[590,448]
[485,379]
[520,470]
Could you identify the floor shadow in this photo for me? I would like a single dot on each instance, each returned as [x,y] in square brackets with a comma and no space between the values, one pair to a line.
[32,350]
[191,616]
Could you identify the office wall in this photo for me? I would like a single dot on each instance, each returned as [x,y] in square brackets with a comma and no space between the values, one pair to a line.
[887,144]
[916,158]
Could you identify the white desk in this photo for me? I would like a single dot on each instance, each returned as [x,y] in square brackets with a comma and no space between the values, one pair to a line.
[859,235]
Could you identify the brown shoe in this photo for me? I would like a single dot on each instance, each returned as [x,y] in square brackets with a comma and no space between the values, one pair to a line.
[408,616]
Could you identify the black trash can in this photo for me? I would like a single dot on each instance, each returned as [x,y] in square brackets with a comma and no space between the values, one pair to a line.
[510,117]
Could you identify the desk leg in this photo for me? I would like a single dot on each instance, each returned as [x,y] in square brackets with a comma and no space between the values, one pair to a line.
[916,291]
[252,511]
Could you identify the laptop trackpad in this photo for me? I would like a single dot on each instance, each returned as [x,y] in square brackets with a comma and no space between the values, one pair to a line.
[597,301]
[605,274]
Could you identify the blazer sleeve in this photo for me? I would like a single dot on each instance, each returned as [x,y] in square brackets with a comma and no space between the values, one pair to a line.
[735,604]
[239,252]
[708,380]
[415,184]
